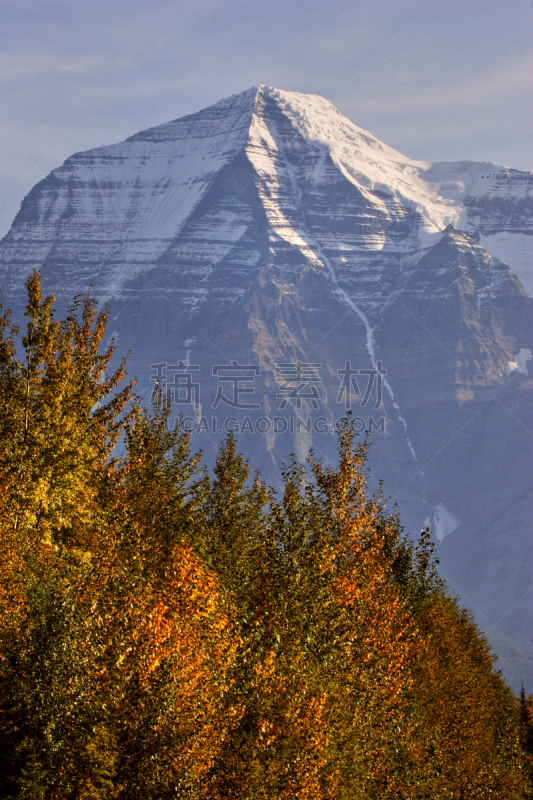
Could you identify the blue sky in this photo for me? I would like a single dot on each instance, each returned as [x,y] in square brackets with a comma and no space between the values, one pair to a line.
[436,80]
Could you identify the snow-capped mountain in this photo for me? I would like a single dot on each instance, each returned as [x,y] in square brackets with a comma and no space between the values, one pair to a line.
[268,244]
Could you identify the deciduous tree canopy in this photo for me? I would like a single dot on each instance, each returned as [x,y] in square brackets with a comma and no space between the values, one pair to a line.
[165,632]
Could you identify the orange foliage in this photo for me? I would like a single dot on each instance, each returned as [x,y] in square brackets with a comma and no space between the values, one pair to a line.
[163,633]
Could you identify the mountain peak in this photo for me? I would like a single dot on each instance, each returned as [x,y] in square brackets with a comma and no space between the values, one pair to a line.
[264,120]
[172,166]
[269,230]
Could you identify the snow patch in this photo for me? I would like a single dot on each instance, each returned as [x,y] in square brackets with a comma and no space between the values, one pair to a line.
[520,362]
[444,522]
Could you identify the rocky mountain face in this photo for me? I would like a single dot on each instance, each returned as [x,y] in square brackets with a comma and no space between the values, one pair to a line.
[274,266]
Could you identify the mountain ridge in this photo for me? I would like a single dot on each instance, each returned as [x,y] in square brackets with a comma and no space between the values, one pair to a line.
[198,166]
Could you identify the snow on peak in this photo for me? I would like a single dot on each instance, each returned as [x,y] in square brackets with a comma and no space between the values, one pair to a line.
[204,141]
[436,191]
[366,161]
[362,158]
[145,188]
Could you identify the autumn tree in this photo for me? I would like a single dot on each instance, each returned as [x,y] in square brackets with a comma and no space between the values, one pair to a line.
[169,632]
[113,668]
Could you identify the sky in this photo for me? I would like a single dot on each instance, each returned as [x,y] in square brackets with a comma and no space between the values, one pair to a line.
[440,80]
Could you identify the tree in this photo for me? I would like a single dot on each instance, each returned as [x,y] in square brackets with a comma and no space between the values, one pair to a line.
[115,640]
[167,633]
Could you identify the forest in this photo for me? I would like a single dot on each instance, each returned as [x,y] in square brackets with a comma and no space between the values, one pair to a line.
[171,631]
